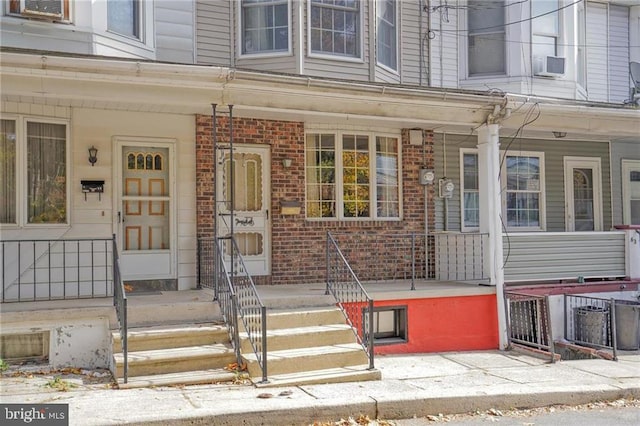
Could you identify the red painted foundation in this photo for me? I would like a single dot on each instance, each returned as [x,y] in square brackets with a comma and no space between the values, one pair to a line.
[442,324]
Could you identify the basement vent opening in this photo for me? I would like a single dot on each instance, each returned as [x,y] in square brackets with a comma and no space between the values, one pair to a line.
[389,325]
[27,347]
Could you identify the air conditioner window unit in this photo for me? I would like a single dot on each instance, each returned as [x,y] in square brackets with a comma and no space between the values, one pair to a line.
[548,66]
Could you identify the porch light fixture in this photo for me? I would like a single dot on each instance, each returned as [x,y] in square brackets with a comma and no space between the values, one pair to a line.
[286,162]
[559,134]
[93,155]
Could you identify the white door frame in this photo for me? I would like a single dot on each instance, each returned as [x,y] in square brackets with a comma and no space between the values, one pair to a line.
[626,168]
[593,163]
[148,264]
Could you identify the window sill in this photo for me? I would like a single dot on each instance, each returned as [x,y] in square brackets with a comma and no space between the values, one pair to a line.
[337,58]
[261,55]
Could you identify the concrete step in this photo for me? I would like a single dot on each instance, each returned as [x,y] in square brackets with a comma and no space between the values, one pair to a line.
[196,377]
[178,307]
[175,360]
[149,338]
[307,359]
[356,373]
[308,317]
[302,337]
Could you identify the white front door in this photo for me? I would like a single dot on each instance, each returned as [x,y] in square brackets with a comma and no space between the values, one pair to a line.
[583,193]
[631,192]
[252,200]
[144,210]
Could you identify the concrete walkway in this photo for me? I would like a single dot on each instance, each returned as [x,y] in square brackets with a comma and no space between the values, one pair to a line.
[412,385]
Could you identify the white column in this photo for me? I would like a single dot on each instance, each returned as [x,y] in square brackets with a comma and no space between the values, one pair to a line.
[633,253]
[490,211]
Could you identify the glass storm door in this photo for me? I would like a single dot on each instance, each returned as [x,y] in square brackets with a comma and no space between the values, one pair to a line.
[583,194]
[144,213]
[251,194]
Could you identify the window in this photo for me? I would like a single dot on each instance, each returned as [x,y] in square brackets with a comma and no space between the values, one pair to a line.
[389,324]
[39,154]
[631,192]
[387,33]
[486,37]
[54,10]
[545,28]
[522,185]
[123,17]
[352,176]
[335,27]
[265,26]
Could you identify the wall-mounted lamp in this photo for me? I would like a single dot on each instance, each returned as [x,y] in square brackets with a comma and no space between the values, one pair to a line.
[559,134]
[93,155]
[286,162]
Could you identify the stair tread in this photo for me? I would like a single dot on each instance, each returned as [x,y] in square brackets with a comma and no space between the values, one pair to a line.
[210,376]
[175,353]
[170,329]
[304,330]
[310,351]
[328,375]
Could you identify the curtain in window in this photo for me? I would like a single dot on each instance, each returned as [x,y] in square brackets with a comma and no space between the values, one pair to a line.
[388,200]
[7,171]
[321,176]
[46,173]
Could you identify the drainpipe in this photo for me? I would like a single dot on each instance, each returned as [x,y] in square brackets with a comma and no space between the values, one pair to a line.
[490,217]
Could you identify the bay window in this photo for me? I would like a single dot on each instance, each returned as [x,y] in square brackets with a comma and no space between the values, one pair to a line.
[387,33]
[335,27]
[544,24]
[352,175]
[486,37]
[265,26]
[34,153]
[123,17]
[54,10]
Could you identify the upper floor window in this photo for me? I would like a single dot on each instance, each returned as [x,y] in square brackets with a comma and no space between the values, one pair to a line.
[265,26]
[387,33]
[522,182]
[544,26]
[486,37]
[54,10]
[33,164]
[123,17]
[352,176]
[335,27]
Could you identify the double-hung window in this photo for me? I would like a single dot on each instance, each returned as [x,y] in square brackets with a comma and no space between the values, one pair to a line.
[54,10]
[352,176]
[265,26]
[486,37]
[335,27]
[544,25]
[123,17]
[522,184]
[387,33]
[33,172]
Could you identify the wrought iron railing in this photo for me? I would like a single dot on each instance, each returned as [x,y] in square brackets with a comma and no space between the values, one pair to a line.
[350,295]
[529,321]
[237,295]
[377,256]
[591,321]
[120,303]
[34,270]
[460,256]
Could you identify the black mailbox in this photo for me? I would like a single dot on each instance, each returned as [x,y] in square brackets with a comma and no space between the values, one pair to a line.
[92,186]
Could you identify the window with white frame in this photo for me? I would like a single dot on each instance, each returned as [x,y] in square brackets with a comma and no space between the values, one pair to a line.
[486,37]
[335,27]
[265,26]
[545,29]
[54,10]
[387,33]
[33,161]
[123,17]
[631,192]
[352,175]
[522,182]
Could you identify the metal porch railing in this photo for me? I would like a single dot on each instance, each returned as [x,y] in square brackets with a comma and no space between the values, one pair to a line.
[529,321]
[591,321]
[120,303]
[460,256]
[236,293]
[352,298]
[35,270]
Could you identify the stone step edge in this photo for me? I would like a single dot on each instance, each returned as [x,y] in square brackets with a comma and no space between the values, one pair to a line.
[196,377]
[329,375]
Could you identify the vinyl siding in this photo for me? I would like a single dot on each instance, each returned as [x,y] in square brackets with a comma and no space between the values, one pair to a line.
[174,31]
[213,32]
[410,40]
[618,53]
[597,68]
[554,153]
[444,52]
[620,151]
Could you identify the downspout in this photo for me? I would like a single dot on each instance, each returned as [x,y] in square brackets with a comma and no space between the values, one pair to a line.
[300,36]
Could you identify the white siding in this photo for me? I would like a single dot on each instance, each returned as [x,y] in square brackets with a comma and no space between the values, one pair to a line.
[618,53]
[213,32]
[597,68]
[444,48]
[411,38]
[174,31]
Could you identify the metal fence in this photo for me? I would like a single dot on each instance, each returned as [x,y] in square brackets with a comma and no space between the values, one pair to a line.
[460,256]
[120,303]
[529,321]
[350,295]
[34,270]
[236,293]
[590,321]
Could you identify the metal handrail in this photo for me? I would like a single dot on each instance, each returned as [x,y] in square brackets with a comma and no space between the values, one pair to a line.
[350,295]
[239,300]
[591,321]
[120,303]
[529,321]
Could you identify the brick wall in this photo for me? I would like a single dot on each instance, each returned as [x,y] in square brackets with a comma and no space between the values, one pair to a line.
[298,245]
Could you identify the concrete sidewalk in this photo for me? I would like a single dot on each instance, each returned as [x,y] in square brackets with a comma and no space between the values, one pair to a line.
[411,385]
